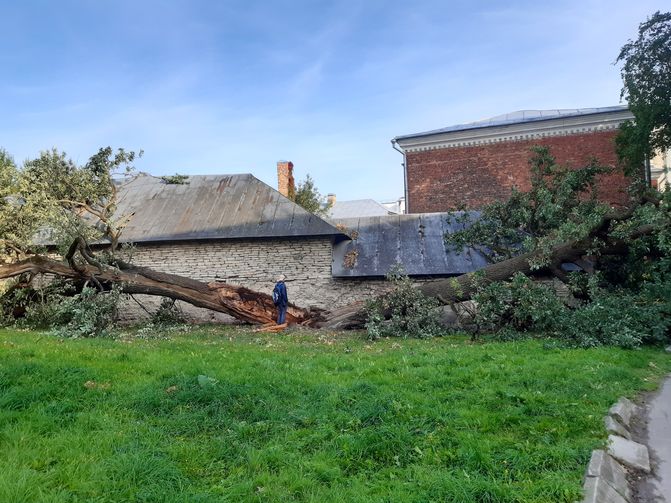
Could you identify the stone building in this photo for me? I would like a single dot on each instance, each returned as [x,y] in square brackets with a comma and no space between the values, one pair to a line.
[475,164]
[237,229]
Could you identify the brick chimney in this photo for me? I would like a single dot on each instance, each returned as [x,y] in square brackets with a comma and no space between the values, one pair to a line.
[285,179]
[331,199]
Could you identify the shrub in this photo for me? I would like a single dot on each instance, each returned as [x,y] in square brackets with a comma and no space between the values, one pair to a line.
[402,312]
[88,314]
[168,314]
[520,304]
[32,307]
[57,306]
[615,317]
[620,318]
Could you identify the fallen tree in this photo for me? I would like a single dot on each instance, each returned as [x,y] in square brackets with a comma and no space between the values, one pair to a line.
[461,288]
[239,302]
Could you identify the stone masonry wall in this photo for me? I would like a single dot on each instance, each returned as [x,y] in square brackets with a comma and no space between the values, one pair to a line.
[256,265]
[445,178]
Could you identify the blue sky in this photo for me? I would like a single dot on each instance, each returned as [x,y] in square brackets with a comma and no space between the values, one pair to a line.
[233,86]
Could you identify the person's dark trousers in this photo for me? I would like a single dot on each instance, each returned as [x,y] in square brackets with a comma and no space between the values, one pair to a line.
[282,313]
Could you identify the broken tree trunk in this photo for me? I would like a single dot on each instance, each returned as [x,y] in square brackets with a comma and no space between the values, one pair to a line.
[460,288]
[240,302]
[350,316]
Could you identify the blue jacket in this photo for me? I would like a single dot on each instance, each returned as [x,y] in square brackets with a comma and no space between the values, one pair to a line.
[280,294]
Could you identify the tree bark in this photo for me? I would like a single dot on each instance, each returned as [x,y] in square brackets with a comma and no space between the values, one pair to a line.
[240,302]
[347,317]
[461,288]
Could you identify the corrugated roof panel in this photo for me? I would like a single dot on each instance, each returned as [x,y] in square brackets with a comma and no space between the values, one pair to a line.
[415,241]
[433,236]
[388,244]
[411,244]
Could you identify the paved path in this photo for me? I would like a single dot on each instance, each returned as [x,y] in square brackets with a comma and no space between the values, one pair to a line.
[658,486]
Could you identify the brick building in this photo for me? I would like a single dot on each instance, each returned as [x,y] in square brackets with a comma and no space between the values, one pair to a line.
[474,164]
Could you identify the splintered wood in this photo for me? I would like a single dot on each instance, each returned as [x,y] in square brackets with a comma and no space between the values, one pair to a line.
[272,328]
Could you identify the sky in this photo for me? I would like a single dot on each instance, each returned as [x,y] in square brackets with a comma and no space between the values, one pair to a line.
[219,87]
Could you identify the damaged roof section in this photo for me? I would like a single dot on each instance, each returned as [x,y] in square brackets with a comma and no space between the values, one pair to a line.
[212,207]
[414,241]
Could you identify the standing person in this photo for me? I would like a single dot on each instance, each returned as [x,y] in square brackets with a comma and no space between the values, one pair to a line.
[280,299]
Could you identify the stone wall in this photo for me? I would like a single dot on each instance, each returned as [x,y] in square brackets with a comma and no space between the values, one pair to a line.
[306,262]
[445,178]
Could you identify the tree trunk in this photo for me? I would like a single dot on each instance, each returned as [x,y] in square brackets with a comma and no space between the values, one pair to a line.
[240,302]
[460,288]
[350,316]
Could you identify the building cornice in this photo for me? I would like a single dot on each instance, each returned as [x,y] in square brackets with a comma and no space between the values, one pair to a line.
[559,126]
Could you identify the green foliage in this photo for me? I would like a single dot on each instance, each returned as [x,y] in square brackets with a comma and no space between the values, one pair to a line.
[175,179]
[608,316]
[621,319]
[646,77]
[54,200]
[312,417]
[308,197]
[623,301]
[520,304]
[561,206]
[402,312]
[58,306]
[168,314]
[32,307]
[89,313]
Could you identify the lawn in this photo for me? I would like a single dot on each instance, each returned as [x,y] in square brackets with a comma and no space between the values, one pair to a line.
[304,416]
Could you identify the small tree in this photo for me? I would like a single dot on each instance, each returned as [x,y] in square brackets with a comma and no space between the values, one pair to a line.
[309,197]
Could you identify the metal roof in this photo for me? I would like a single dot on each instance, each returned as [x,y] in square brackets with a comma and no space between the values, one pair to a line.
[212,207]
[357,208]
[415,241]
[520,117]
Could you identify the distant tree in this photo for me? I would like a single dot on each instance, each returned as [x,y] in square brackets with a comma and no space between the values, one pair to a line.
[309,197]
[646,76]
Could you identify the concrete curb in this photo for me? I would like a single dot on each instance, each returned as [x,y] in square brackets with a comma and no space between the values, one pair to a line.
[606,475]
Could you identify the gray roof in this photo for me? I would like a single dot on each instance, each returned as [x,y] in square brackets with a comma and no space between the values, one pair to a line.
[357,208]
[212,207]
[519,117]
[415,241]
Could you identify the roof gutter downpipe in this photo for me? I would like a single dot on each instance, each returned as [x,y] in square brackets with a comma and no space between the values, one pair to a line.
[396,147]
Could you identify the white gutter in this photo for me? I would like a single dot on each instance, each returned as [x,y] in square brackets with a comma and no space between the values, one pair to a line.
[396,147]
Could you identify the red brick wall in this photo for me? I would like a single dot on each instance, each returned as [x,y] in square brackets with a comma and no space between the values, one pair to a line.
[445,178]
[285,179]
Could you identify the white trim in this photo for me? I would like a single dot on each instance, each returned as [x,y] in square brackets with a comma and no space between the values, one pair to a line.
[530,130]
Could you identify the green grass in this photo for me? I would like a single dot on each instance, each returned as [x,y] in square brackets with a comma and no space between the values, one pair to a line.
[304,417]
